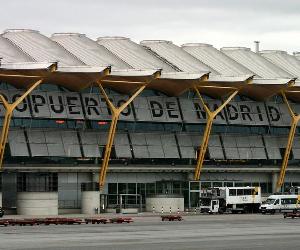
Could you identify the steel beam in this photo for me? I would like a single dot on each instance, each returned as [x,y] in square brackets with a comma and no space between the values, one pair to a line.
[210,116]
[9,108]
[295,120]
[116,111]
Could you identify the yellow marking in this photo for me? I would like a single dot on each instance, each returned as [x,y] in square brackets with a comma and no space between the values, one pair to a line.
[210,118]
[294,123]
[9,108]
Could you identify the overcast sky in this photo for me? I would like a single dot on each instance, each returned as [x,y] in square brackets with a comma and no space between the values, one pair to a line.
[275,23]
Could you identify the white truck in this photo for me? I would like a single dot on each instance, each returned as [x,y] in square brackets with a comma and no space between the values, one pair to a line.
[280,203]
[230,199]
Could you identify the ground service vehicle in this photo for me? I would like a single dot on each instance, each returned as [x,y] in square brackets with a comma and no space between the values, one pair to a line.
[230,199]
[295,190]
[281,203]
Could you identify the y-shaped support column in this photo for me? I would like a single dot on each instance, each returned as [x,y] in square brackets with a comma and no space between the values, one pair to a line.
[116,111]
[210,118]
[294,123]
[9,108]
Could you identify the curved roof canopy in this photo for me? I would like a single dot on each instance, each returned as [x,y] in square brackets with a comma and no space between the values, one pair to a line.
[40,48]
[9,52]
[171,83]
[185,71]
[256,63]
[283,60]
[88,51]
[73,73]
[22,75]
[176,56]
[76,62]
[216,85]
[35,54]
[215,59]
[290,64]
[261,88]
[234,76]
[133,54]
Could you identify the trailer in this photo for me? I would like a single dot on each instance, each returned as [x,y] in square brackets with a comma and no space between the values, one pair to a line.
[121,220]
[62,221]
[4,222]
[171,217]
[23,222]
[294,214]
[95,220]
[230,200]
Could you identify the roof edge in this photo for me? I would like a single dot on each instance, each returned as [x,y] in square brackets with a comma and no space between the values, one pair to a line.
[112,38]
[20,30]
[145,42]
[196,45]
[235,48]
[68,34]
[270,51]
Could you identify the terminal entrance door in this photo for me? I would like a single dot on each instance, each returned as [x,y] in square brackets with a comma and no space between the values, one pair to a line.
[120,202]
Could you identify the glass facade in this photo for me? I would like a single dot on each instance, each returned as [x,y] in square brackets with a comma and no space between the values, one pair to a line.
[143,142]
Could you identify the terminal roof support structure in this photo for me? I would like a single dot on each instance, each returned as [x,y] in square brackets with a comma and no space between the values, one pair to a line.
[9,108]
[294,122]
[21,75]
[116,111]
[210,118]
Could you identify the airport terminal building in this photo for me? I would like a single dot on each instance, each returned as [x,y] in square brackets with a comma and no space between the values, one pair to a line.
[61,135]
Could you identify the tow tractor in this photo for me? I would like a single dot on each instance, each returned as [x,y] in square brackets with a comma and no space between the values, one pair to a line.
[230,199]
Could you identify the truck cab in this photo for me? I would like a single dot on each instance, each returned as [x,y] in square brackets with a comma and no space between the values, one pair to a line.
[208,205]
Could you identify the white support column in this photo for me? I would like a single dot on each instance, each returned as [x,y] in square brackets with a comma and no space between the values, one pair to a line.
[90,202]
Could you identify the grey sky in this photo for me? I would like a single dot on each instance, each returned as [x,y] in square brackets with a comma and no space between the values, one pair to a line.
[276,23]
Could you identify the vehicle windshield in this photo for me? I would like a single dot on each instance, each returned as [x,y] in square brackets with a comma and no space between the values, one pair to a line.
[204,201]
[269,201]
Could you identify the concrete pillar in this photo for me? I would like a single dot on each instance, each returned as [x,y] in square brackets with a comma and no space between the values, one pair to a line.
[0,199]
[90,200]
[274,181]
[37,203]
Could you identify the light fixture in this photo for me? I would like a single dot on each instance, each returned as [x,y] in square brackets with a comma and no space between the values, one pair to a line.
[102,123]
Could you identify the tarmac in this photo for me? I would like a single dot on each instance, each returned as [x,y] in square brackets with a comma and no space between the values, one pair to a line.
[227,231]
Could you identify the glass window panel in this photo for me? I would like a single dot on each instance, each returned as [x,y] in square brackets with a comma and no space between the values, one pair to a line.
[228,184]
[239,192]
[112,188]
[122,188]
[150,188]
[194,185]
[205,185]
[131,188]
